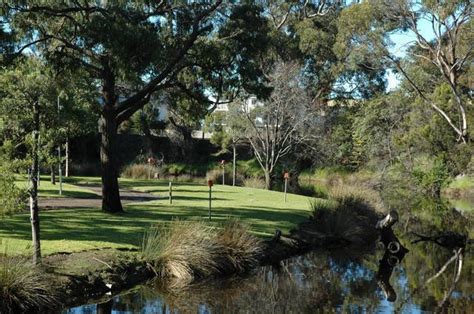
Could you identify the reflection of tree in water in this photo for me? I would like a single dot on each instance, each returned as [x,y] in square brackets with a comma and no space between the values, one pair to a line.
[433,276]
[299,285]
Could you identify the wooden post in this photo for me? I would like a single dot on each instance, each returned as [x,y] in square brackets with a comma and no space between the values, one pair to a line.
[210,202]
[60,172]
[234,171]
[286,176]
[210,184]
[67,158]
[171,192]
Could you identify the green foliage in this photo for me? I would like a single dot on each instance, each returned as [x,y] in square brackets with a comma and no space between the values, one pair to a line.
[30,80]
[12,198]
[249,168]
[432,178]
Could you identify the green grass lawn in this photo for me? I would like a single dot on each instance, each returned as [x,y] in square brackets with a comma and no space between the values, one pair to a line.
[47,189]
[81,229]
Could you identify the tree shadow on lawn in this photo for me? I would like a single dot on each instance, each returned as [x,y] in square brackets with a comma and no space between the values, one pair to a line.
[195,198]
[47,193]
[129,228]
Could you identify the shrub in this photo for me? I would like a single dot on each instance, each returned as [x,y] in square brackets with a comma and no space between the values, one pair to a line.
[318,191]
[431,179]
[141,171]
[12,198]
[249,168]
[24,288]
[254,182]
[350,213]
[216,176]
[187,250]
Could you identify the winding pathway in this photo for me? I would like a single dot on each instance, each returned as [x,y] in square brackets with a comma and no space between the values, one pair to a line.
[94,201]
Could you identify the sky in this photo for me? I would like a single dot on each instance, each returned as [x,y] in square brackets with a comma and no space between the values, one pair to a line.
[402,41]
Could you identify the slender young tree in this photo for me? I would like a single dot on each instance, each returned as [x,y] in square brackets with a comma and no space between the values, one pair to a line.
[27,90]
[34,209]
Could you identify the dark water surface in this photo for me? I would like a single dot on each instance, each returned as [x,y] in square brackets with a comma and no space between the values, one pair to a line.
[322,281]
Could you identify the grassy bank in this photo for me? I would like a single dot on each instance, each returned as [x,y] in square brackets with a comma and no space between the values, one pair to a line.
[461,187]
[81,229]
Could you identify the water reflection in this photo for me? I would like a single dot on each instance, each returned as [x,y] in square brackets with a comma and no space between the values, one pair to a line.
[328,281]
[316,282]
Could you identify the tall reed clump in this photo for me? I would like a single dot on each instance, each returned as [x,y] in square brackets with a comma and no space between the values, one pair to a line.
[188,250]
[24,288]
[350,213]
[241,248]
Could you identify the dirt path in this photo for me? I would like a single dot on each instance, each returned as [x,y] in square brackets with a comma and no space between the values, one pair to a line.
[127,196]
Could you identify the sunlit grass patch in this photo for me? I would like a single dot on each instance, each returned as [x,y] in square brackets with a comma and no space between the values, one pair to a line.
[78,229]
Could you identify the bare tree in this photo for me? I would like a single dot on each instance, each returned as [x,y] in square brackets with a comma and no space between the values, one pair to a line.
[277,126]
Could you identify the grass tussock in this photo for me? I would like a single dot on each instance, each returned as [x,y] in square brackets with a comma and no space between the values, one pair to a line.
[141,171]
[254,183]
[189,250]
[350,213]
[240,247]
[24,288]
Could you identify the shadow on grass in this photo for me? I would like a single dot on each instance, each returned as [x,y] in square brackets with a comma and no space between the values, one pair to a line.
[66,193]
[128,228]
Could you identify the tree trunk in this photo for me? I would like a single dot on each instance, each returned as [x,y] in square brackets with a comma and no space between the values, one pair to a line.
[34,210]
[268,179]
[108,149]
[234,157]
[53,175]
[108,158]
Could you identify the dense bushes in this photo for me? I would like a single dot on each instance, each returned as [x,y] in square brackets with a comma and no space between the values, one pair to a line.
[187,250]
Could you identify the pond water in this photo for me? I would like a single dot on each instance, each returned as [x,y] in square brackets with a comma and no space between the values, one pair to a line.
[322,281]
